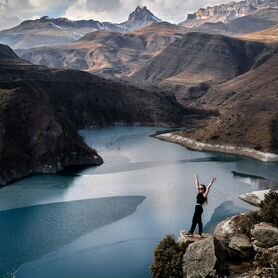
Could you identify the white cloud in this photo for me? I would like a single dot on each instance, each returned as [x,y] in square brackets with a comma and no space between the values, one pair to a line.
[12,12]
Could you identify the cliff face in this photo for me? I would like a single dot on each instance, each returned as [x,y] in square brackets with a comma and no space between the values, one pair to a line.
[227,12]
[35,136]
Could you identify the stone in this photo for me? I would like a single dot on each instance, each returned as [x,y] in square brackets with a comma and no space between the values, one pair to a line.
[254,198]
[200,259]
[267,256]
[184,239]
[265,233]
[242,245]
[231,233]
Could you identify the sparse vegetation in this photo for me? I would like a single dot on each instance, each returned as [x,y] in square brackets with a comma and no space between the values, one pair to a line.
[269,208]
[168,258]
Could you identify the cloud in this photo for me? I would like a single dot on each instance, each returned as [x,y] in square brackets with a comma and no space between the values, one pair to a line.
[118,10]
[12,12]
[104,10]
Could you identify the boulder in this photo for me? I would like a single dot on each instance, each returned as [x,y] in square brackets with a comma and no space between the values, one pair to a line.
[242,245]
[265,234]
[202,258]
[232,235]
[267,256]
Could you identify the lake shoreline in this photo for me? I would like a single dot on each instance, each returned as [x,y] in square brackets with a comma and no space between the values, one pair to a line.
[199,146]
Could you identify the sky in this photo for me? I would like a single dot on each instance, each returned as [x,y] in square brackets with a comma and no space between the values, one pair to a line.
[12,12]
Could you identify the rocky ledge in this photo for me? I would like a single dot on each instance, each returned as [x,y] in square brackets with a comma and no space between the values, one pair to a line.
[234,250]
[199,146]
[255,197]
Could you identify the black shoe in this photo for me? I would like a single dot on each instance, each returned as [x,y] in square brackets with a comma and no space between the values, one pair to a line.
[189,234]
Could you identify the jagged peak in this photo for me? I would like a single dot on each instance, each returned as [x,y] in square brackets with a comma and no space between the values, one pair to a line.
[141,12]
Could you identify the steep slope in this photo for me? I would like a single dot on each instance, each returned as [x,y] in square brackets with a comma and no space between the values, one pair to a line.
[39,109]
[108,54]
[227,12]
[269,35]
[47,31]
[35,135]
[248,109]
[197,58]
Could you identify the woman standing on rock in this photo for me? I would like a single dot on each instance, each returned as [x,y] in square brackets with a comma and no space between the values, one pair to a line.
[202,197]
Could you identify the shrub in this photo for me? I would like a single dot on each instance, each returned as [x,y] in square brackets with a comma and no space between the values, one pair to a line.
[269,208]
[168,258]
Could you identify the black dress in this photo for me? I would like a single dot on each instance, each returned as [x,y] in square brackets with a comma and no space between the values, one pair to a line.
[197,217]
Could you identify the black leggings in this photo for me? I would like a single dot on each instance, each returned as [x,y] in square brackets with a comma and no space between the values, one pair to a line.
[197,219]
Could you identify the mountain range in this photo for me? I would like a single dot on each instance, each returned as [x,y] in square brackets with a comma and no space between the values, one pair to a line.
[55,31]
[231,18]
[108,54]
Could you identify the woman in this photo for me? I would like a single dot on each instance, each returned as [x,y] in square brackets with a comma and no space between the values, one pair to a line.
[202,197]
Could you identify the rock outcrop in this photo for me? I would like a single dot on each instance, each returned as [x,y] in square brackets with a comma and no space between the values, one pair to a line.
[255,197]
[200,259]
[265,235]
[227,12]
[234,250]
[139,18]
[203,257]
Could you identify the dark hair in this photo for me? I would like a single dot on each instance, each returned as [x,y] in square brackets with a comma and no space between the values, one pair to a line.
[205,189]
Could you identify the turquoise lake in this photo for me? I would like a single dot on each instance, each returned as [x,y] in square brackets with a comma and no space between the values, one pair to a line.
[106,221]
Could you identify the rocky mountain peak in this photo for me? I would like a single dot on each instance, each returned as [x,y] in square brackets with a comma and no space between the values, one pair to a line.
[143,14]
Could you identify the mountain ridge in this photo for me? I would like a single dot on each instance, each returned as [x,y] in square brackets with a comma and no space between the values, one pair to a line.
[226,12]
[54,31]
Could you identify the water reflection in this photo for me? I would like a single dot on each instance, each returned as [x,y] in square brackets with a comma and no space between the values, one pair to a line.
[133,166]
[28,233]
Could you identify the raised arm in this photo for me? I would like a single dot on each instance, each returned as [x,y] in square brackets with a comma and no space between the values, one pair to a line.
[209,186]
[196,181]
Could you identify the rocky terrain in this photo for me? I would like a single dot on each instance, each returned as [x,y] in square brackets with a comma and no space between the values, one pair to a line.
[47,31]
[41,109]
[244,245]
[140,18]
[108,54]
[227,12]
[236,249]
